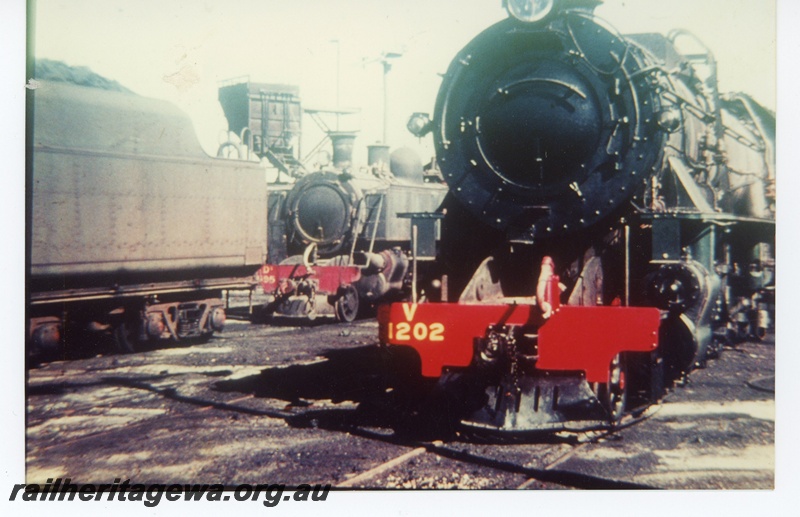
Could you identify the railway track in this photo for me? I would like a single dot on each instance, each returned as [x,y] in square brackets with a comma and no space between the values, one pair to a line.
[547,473]
[364,479]
[259,406]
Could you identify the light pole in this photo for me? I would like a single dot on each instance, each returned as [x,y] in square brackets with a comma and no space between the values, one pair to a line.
[386,60]
[338,78]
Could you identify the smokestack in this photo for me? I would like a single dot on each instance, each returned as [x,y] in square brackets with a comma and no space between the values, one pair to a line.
[378,154]
[342,148]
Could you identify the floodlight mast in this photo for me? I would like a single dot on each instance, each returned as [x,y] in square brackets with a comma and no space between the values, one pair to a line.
[386,60]
[338,77]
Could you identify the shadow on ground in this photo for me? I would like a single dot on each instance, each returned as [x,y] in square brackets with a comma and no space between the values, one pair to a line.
[357,375]
[386,386]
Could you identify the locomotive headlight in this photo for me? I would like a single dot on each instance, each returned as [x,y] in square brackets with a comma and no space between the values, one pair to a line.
[529,10]
[419,124]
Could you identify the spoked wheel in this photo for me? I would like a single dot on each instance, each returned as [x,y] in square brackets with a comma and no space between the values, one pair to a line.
[346,304]
[613,395]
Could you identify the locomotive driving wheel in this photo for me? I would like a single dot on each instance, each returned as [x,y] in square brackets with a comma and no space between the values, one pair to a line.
[346,304]
[613,395]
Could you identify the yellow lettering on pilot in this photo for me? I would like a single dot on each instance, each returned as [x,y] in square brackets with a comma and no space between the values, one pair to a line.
[436,332]
[409,309]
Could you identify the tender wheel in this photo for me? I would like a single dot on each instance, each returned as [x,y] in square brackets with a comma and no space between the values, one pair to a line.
[126,337]
[46,340]
[614,394]
[346,304]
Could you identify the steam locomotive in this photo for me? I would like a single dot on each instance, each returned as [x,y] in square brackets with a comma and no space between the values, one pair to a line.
[609,226]
[339,234]
[134,232]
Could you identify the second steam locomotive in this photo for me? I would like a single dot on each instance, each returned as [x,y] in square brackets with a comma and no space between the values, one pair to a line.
[609,224]
[339,235]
